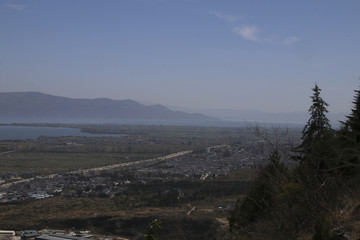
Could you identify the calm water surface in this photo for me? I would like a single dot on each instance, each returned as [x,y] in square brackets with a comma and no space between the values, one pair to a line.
[22,132]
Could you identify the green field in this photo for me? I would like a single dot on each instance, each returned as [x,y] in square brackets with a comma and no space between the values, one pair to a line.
[61,154]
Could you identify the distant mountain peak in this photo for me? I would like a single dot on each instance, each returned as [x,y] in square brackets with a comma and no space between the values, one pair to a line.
[37,104]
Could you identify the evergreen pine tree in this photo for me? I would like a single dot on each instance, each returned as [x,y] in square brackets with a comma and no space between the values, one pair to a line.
[153,229]
[353,120]
[318,124]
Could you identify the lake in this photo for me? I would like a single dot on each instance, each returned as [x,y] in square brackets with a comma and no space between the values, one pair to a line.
[28,132]
[150,122]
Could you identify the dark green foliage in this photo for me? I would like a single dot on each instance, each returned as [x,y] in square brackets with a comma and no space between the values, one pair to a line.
[152,232]
[323,159]
[322,229]
[160,193]
[284,203]
[318,124]
[352,125]
[333,155]
[260,200]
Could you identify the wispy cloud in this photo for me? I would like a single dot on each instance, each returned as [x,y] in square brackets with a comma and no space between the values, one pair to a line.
[17,7]
[252,33]
[227,17]
[248,32]
[291,40]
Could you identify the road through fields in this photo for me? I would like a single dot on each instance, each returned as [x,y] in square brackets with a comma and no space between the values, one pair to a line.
[107,167]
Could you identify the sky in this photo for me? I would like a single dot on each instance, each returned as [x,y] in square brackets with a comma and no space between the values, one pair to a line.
[209,54]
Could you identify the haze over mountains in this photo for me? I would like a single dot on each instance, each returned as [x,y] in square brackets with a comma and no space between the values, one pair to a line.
[35,104]
[40,105]
[251,115]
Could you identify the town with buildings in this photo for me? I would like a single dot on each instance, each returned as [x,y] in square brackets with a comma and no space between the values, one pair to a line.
[107,182]
[184,171]
[51,234]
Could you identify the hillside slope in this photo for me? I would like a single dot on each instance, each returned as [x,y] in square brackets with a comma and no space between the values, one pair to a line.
[35,104]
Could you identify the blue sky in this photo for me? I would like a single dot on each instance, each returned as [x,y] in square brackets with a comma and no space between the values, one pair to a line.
[235,54]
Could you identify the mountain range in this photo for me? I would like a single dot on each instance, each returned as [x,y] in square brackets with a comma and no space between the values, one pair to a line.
[253,115]
[40,105]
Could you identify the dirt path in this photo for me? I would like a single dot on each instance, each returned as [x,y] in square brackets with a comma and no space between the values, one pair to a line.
[7,152]
[126,164]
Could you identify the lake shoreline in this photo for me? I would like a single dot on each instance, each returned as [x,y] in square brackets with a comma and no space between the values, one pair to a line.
[16,131]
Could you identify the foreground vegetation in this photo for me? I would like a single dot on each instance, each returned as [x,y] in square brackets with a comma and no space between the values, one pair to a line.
[319,199]
[199,213]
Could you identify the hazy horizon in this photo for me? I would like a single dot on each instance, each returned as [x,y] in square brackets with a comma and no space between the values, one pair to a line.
[226,115]
[183,108]
[200,54]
